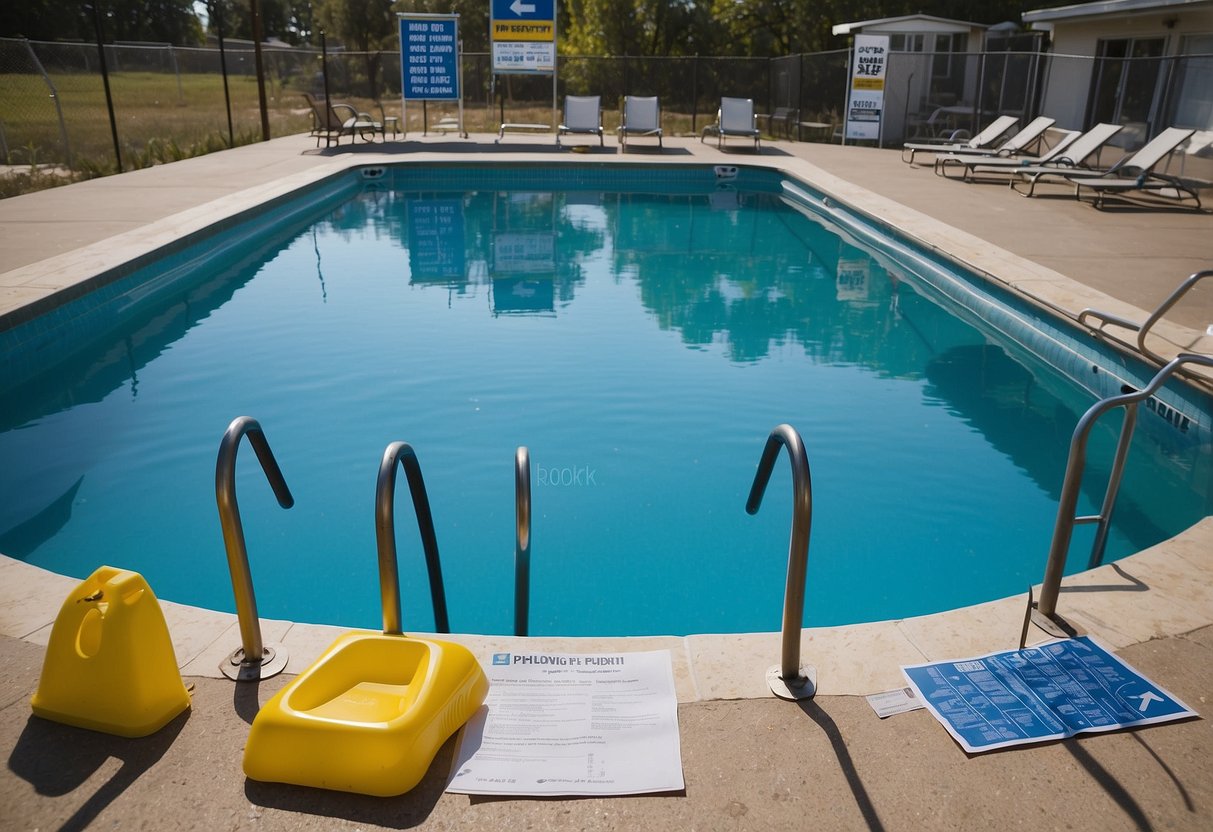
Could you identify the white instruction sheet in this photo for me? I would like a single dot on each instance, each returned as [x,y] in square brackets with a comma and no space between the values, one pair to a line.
[573,724]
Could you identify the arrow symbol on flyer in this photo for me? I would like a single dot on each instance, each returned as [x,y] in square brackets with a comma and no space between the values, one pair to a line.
[1146,699]
[519,8]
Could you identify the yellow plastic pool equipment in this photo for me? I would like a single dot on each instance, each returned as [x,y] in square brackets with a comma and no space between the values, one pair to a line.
[110,664]
[368,716]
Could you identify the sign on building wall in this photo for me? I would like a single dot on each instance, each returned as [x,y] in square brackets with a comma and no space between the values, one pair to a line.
[523,34]
[865,104]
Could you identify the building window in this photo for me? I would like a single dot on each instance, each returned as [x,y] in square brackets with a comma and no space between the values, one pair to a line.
[907,43]
[1193,102]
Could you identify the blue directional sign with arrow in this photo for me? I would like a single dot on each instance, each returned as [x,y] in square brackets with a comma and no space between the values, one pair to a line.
[523,33]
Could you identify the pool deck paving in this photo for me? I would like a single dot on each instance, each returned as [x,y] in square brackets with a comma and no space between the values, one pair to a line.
[750,761]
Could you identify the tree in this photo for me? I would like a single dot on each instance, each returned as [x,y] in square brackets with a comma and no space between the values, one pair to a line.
[287,20]
[365,26]
[161,21]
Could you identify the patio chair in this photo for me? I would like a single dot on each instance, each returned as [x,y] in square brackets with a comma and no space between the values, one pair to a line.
[582,114]
[341,119]
[1136,180]
[734,118]
[641,117]
[985,138]
[1014,146]
[1070,152]
[1133,173]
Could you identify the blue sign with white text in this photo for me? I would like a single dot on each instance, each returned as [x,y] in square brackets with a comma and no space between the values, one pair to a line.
[1049,692]
[429,58]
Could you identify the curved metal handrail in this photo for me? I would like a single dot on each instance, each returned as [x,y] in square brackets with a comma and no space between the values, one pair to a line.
[790,671]
[385,537]
[522,541]
[1143,328]
[1064,528]
[252,651]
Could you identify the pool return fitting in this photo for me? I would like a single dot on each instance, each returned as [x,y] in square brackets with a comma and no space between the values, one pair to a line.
[253,660]
[790,679]
[1044,613]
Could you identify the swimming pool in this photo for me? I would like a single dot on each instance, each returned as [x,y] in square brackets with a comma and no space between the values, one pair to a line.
[641,333]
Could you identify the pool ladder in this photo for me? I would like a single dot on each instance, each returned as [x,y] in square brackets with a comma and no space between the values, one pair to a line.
[1044,612]
[254,659]
[1142,329]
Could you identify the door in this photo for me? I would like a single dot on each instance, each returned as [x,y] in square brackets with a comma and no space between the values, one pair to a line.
[1125,84]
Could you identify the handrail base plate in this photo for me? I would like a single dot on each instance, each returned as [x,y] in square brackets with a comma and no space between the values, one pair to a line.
[273,661]
[793,690]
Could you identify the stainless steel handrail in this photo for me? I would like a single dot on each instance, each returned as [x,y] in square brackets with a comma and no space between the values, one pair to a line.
[522,541]
[1045,614]
[1155,316]
[385,537]
[252,660]
[796,680]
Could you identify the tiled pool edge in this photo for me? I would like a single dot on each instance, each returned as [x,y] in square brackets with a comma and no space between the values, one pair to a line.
[1159,592]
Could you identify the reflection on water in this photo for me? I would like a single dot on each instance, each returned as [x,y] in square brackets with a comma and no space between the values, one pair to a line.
[642,345]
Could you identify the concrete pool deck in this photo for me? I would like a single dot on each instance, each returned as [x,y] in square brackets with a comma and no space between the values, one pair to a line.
[750,762]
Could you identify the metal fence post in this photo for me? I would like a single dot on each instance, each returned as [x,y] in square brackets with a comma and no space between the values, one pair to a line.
[105,81]
[67,150]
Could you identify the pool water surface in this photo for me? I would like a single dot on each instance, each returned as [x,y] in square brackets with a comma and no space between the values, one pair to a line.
[641,342]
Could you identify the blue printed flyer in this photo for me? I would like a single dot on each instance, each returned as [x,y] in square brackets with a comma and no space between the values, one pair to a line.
[1048,692]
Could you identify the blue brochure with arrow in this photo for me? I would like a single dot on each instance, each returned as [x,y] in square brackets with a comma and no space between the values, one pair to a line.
[1048,692]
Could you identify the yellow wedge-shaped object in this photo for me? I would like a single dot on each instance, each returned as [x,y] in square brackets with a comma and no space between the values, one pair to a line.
[368,716]
[110,664]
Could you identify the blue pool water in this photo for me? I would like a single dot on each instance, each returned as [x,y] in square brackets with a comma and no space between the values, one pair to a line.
[641,330]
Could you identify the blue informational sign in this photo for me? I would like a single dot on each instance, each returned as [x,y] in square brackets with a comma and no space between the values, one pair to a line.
[524,10]
[429,58]
[436,244]
[1049,692]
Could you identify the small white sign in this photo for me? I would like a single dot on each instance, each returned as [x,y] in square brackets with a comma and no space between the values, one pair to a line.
[563,724]
[866,101]
[524,56]
[892,702]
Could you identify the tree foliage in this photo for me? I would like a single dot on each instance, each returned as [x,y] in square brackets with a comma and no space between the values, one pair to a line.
[159,21]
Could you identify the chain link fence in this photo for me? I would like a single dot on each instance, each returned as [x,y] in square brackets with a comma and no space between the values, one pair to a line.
[170,102]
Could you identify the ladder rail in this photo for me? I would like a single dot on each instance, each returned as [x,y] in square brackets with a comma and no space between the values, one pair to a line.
[252,649]
[1075,464]
[798,545]
[522,541]
[385,537]
[1144,328]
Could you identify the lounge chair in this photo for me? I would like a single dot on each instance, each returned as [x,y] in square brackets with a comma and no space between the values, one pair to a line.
[985,138]
[582,114]
[1133,173]
[641,117]
[1071,152]
[1014,146]
[341,119]
[734,118]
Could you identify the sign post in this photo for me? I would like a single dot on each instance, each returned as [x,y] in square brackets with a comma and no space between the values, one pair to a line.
[430,68]
[523,36]
[865,102]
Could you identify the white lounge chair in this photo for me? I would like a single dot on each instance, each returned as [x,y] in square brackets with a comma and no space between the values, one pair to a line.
[1017,144]
[582,114]
[735,118]
[641,117]
[1070,152]
[1133,173]
[985,138]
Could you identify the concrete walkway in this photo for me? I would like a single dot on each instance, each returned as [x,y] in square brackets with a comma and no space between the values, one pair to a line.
[749,763]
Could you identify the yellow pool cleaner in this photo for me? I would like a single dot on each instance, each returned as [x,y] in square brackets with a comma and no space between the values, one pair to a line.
[110,664]
[368,716]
